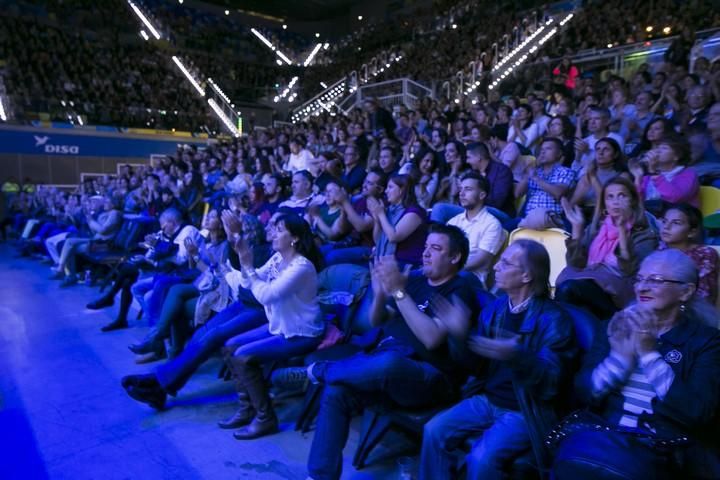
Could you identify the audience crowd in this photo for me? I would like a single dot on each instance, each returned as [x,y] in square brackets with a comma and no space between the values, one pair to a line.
[256,247]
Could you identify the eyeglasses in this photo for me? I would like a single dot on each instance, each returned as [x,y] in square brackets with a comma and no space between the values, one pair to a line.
[505,263]
[656,280]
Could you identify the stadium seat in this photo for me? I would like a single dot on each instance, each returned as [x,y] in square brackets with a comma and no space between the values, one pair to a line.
[709,200]
[553,239]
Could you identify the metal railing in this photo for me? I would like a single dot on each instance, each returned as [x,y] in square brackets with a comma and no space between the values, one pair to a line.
[390,93]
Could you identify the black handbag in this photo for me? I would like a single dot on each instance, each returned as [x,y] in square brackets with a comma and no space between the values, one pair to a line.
[585,445]
[583,420]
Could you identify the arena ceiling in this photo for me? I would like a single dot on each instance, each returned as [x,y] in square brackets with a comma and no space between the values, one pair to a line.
[301,10]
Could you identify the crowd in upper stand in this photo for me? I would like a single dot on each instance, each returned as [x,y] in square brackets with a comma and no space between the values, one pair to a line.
[256,243]
[80,42]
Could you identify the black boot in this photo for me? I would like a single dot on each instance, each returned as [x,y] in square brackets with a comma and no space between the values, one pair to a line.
[102,302]
[242,416]
[265,421]
[148,346]
[118,324]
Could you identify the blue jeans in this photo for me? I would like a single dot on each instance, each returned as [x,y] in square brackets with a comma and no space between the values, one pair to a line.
[504,437]
[259,346]
[158,285]
[365,379]
[238,317]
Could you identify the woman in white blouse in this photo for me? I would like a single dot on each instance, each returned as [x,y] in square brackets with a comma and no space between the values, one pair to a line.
[286,286]
[522,128]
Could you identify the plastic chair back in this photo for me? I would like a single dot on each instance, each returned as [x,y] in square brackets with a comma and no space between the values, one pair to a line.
[553,239]
[709,200]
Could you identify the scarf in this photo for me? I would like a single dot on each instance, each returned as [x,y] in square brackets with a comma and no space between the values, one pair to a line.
[602,248]
[384,246]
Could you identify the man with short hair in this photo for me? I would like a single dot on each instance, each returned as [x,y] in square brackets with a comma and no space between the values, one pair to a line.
[524,348]
[302,193]
[484,232]
[413,365]
[354,171]
[387,161]
[634,126]
[540,118]
[547,184]
[698,101]
[598,123]
[499,177]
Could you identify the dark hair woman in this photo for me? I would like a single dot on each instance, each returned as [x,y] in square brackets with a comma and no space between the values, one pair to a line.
[603,258]
[609,162]
[401,227]
[286,286]
[682,230]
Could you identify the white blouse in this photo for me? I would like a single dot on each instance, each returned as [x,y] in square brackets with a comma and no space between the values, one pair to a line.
[289,296]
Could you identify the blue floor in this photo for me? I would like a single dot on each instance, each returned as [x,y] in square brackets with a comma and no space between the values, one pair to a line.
[64,415]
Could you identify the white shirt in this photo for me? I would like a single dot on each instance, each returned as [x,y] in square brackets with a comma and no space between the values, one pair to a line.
[187,231]
[300,161]
[531,134]
[589,156]
[484,232]
[289,296]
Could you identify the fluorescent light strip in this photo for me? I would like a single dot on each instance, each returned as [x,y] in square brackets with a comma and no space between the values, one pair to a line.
[221,115]
[79,119]
[312,55]
[144,35]
[283,56]
[188,76]
[272,47]
[144,19]
[218,90]
[3,115]
[532,49]
[262,38]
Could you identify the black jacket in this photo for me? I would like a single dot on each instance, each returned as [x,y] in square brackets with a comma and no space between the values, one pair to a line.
[542,368]
[691,404]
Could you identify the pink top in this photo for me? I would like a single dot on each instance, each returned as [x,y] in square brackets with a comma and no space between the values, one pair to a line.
[683,187]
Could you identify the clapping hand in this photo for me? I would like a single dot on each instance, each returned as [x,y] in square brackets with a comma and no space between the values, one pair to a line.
[386,271]
[581,146]
[231,224]
[244,253]
[643,323]
[151,240]
[191,246]
[503,349]
[455,315]
[573,213]
[375,206]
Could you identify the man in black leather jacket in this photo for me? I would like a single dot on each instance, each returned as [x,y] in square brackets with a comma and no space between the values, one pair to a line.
[526,344]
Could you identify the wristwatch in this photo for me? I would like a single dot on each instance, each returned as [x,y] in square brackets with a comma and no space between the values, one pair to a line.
[399,295]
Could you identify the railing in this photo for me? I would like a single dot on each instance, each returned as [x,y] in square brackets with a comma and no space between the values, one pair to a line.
[622,58]
[390,93]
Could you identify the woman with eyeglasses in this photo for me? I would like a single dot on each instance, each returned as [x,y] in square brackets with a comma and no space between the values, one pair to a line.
[603,257]
[682,229]
[651,382]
